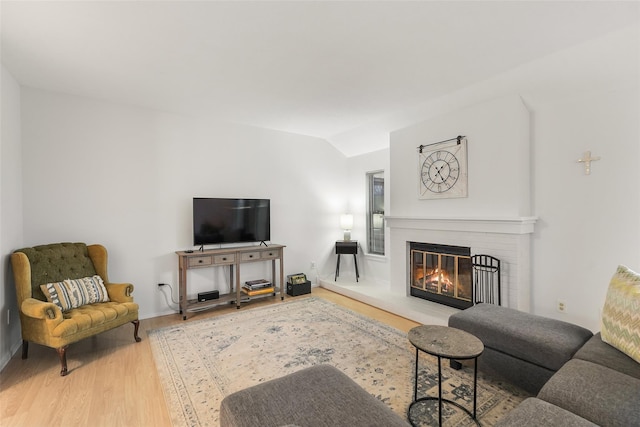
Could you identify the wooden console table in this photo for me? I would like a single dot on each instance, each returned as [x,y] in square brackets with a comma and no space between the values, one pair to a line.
[232,257]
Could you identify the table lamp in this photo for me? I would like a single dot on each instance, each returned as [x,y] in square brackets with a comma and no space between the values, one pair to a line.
[346,223]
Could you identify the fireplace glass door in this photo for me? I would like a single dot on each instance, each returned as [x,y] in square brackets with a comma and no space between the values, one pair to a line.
[441,277]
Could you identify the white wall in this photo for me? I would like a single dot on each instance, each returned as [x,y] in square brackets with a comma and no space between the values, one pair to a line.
[588,224]
[121,176]
[10,211]
[497,132]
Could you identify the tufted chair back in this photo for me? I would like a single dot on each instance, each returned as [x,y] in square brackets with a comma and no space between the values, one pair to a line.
[55,263]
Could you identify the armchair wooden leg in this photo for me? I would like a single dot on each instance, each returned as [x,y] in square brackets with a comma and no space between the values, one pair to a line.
[25,349]
[136,325]
[62,352]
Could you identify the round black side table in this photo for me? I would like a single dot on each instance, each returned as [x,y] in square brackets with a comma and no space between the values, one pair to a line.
[448,343]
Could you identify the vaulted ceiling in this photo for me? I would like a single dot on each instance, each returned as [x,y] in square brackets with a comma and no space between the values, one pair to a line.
[319,68]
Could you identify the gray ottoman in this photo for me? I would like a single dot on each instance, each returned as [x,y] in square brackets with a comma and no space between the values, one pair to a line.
[318,396]
[523,348]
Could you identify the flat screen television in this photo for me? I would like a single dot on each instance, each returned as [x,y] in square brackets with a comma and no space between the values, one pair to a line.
[217,220]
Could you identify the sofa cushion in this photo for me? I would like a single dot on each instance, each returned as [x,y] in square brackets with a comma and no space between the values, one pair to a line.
[621,313]
[534,412]
[597,351]
[74,293]
[595,392]
[543,341]
[94,317]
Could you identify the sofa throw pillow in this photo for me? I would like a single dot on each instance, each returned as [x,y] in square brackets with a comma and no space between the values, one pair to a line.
[73,293]
[93,287]
[621,313]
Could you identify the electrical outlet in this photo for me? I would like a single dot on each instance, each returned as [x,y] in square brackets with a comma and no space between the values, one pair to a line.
[161,284]
[313,264]
[562,307]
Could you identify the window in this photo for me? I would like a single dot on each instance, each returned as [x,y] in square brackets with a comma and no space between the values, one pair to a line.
[375,212]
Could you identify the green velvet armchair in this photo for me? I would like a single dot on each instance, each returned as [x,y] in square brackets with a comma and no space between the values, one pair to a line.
[77,301]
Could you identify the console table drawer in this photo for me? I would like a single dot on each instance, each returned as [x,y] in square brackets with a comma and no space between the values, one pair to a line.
[250,256]
[269,254]
[224,259]
[200,261]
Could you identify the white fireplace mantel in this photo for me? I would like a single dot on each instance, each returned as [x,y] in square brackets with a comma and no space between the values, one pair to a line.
[520,225]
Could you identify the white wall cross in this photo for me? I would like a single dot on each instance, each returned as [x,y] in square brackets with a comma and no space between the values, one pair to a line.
[587,159]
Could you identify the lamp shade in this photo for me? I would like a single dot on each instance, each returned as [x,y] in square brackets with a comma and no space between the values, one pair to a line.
[346,221]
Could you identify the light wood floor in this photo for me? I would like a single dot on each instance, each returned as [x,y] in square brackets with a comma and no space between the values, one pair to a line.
[112,379]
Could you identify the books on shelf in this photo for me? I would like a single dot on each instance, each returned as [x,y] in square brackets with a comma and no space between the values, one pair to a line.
[258,287]
[261,291]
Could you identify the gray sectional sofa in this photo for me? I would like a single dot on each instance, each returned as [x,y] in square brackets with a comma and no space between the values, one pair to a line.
[578,379]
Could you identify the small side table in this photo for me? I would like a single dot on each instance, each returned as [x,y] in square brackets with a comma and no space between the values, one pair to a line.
[347,247]
[450,343]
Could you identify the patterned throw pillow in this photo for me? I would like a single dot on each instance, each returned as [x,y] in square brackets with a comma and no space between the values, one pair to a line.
[73,293]
[621,313]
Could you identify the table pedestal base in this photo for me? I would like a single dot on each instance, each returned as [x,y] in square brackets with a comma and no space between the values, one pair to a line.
[439,398]
[422,399]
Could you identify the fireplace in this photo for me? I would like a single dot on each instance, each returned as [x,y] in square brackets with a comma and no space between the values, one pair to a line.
[441,273]
[508,239]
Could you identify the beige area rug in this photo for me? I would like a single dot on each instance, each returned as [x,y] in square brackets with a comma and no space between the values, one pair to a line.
[200,362]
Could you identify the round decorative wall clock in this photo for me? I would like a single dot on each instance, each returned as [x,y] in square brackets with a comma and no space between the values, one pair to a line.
[442,169]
